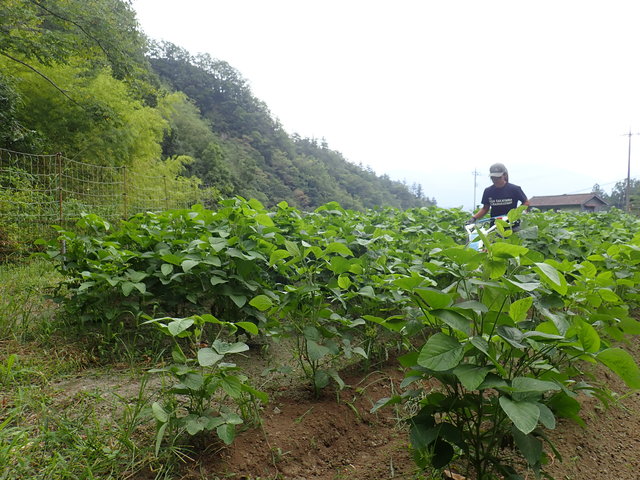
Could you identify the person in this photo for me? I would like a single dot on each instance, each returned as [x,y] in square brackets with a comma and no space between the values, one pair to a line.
[500,197]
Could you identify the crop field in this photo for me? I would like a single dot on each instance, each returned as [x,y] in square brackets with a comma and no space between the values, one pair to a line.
[253,343]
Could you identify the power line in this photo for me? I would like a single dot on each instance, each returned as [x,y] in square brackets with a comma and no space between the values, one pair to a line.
[590,189]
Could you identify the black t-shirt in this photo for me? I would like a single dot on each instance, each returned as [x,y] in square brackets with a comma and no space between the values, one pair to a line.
[503,199]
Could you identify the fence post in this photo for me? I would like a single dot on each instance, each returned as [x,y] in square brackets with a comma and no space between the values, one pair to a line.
[166,194]
[59,168]
[124,193]
[63,244]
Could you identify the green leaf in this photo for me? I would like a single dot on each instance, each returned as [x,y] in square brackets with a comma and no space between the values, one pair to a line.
[179,325]
[178,355]
[442,454]
[512,335]
[360,351]
[547,418]
[386,401]
[193,381]
[171,258]
[588,269]
[260,395]
[552,277]
[292,248]
[226,433]
[208,357]
[264,220]
[454,319]
[212,260]
[608,295]
[524,415]
[528,384]
[159,413]
[166,269]
[217,244]
[494,382]
[340,265]
[278,255]
[471,376]
[629,326]
[159,437]
[224,348]
[588,337]
[408,283]
[249,327]
[321,379]
[566,407]
[136,277]
[336,377]
[526,286]
[127,288]
[507,250]
[621,363]
[496,268]
[217,280]
[232,418]
[367,291]
[195,424]
[232,386]
[529,446]
[344,282]
[261,302]
[339,248]
[239,300]
[440,353]
[85,285]
[187,265]
[316,351]
[436,299]
[472,305]
[518,310]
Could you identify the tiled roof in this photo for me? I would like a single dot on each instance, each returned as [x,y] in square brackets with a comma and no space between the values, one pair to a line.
[563,200]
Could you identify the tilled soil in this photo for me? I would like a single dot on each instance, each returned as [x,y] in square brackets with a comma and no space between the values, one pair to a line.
[336,437]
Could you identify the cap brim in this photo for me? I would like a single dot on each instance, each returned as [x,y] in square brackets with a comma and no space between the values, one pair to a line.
[496,174]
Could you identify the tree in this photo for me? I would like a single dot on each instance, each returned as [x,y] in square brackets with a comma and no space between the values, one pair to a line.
[597,189]
[106,124]
[14,135]
[618,194]
[46,32]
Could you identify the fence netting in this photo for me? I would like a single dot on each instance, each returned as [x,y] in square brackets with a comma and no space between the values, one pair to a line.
[38,191]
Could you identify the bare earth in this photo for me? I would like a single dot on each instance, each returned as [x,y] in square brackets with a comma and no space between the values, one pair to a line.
[335,437]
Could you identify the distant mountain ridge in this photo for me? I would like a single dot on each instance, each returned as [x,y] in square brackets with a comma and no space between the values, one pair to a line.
[239,148]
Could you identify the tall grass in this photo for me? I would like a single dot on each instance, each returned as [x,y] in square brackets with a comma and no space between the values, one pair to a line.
[24,310]
[63,413]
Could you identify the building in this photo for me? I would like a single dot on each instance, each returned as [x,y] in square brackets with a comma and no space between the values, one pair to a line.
[581,202]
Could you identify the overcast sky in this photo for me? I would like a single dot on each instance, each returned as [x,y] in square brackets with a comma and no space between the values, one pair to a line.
[430,91]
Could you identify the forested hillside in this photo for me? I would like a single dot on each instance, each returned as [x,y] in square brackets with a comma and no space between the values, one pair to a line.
[82,79]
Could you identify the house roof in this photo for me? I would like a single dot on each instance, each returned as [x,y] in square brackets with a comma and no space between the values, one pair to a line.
[566,200]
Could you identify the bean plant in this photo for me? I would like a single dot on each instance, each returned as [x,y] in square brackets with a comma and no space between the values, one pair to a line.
[202,375]
[512,333]
[495,342]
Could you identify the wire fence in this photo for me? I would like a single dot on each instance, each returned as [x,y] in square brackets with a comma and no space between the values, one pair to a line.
[38,191]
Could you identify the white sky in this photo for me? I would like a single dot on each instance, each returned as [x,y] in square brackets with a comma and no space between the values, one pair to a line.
[429,91]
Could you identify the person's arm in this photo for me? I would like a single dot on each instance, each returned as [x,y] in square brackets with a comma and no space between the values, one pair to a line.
[481,213]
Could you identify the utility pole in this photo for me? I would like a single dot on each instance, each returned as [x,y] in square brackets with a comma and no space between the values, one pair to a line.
[627,202]
[475,174]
